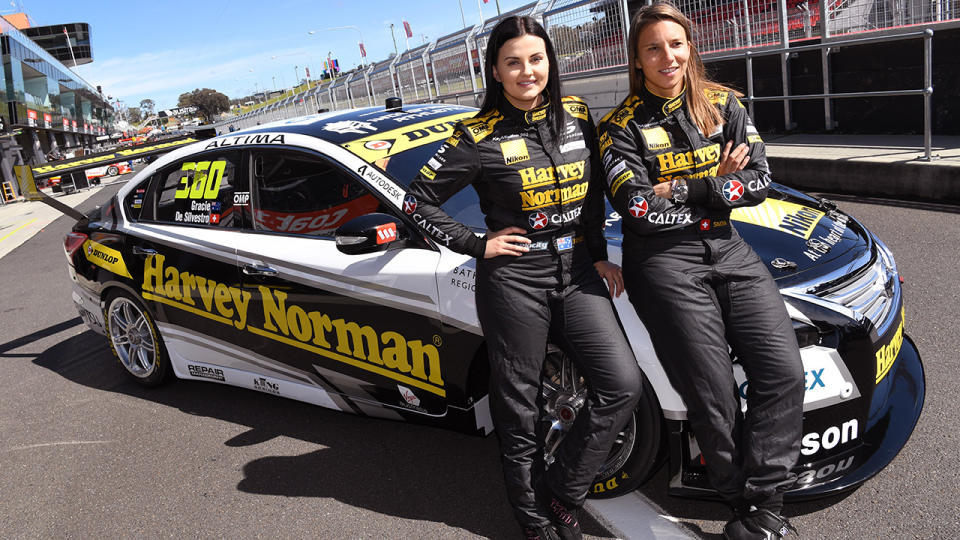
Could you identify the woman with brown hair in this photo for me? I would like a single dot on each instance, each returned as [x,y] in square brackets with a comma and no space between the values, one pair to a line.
[531,155]
[680,152]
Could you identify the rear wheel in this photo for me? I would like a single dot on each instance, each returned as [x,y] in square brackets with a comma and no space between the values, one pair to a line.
[637,451]
[135,340]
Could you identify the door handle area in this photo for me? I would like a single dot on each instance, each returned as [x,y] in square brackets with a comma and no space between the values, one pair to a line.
[137,250]
[259,270]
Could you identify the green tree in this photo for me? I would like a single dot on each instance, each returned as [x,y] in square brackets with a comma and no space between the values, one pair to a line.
[146,107]
[209,103]
[133,115]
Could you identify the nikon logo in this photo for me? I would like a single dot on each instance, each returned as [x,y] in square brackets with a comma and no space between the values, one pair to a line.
[514,151]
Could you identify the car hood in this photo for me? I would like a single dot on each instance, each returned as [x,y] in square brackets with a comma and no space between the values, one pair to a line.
[794,234]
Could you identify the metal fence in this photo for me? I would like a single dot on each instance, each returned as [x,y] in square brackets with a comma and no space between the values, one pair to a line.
[413,76]
[590,37]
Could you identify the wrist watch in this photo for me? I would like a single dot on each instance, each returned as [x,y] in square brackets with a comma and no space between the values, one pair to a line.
[679,191]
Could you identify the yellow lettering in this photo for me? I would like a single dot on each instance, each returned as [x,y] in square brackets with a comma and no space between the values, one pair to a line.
[241,300]
[321,325]
[171,288]
[188,282]
[272,311]
[528,175]
[153,274]
[299,323]
[221,295]
[395,354]
[358,336]
[427,352]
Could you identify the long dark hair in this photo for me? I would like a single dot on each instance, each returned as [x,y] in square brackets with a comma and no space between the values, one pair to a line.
[504,31]
[704,114]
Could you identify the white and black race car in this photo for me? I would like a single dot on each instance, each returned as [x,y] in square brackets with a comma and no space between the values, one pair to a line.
[280,259]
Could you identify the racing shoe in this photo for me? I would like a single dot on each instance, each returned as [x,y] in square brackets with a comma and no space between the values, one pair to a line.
[758,524]
[564,517]
[540,532]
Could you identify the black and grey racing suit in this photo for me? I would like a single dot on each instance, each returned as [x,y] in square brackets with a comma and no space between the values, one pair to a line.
[697,286]
[527,177]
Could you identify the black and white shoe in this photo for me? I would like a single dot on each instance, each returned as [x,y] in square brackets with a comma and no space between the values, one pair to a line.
[758,524]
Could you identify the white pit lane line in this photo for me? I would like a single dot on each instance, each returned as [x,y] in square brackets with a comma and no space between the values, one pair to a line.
[634,517]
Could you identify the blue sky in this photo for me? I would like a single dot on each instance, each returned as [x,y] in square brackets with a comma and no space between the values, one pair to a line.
[161,49]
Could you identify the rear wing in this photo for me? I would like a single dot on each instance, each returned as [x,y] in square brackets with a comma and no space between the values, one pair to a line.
[27,176]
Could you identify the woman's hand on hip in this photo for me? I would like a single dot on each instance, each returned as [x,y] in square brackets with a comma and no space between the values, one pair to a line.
[506,242]
[613,275]
[663,189]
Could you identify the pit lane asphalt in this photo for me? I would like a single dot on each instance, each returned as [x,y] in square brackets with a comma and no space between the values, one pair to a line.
[87,453]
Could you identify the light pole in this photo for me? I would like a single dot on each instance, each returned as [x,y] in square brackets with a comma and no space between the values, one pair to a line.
[394,38]
[296,78]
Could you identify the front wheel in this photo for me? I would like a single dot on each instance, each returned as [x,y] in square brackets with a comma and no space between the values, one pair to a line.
[113,171]
[638,449]
[135,340]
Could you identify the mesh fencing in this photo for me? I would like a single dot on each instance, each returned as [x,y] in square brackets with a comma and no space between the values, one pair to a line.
[359,90]
[587,36]
[381,84]
[590,35]
[452,69]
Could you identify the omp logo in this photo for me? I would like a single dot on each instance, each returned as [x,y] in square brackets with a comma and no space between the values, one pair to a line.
[206,179]
[536,177]
[514,151]
[386,353]
[671,162]
[577,110]
[104,257]
[656,138]
[206,372]
[887,354]
[811,443]
[717,96]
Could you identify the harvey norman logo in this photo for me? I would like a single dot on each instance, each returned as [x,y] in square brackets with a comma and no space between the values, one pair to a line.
[384,352]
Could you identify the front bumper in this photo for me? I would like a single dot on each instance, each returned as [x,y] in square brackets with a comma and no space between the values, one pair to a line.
[888,430]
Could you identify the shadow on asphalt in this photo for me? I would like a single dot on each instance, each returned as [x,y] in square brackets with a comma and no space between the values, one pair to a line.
[403,470]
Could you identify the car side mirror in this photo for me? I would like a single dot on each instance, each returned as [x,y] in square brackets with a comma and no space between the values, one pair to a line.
[367,234]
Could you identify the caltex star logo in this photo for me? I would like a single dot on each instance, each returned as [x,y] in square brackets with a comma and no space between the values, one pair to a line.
[637,207]
[409,204]
[538,220]
[733,190]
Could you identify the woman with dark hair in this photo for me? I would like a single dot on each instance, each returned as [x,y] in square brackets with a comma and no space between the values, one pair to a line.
[701,291]
[531,155]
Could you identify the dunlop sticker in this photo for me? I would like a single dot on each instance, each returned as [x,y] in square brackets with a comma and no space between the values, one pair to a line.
[406,137]
[104,257]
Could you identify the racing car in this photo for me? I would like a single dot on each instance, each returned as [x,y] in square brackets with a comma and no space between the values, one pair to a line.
[281,259]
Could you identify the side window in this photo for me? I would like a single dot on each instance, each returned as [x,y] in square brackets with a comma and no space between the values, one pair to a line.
[304,194]
[200,191]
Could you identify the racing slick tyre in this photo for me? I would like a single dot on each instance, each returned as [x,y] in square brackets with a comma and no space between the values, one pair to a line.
[134,339]
[113,171]
[638,449]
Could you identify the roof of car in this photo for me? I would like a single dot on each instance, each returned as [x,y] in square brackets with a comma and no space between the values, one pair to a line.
[341,127]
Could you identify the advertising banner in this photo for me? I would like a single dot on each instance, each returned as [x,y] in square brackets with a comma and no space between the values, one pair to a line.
[31,118]
[47,120]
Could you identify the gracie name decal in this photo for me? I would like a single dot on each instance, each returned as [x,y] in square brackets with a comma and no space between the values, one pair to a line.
[386,353]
